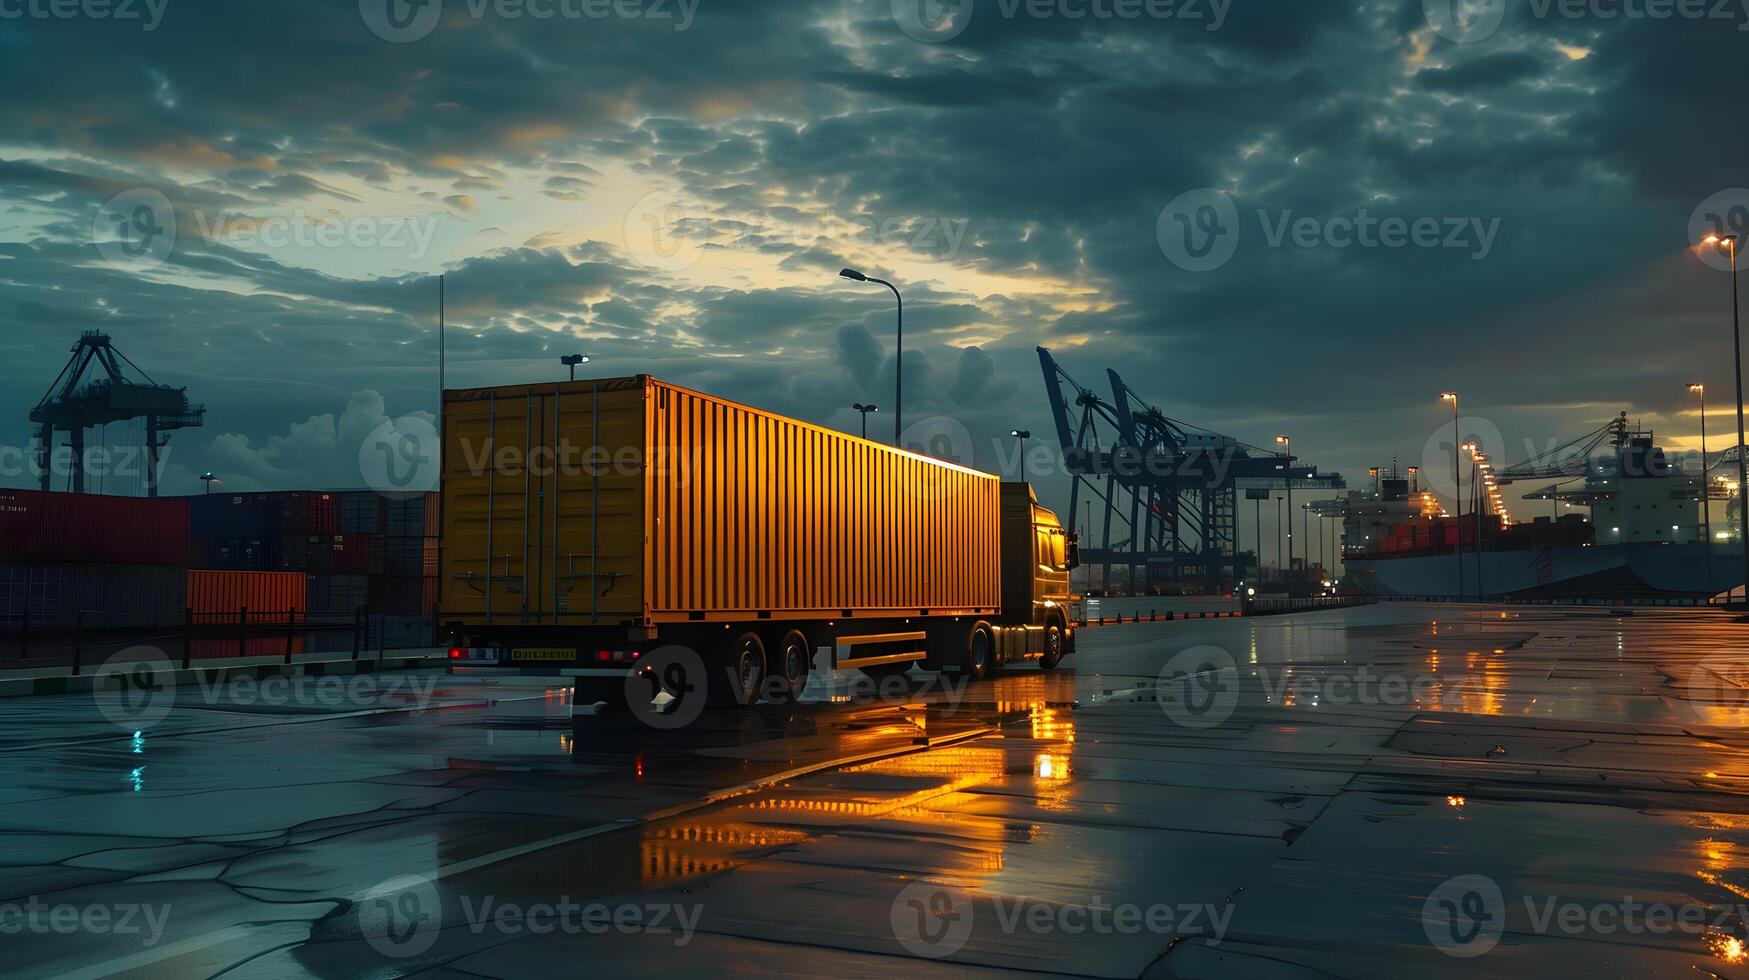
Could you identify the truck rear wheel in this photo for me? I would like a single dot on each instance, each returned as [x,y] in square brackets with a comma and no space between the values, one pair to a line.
[739,673]
[979,657]
[795,658]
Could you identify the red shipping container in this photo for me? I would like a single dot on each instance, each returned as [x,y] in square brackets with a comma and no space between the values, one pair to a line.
[265,592]
[323,513]
[88,527]
[350,554]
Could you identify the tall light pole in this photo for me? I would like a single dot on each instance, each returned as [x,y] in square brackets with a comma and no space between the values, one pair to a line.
[898,347]
[865,409]
[1706,489]
[1457,474]
[1022,435]
[1287,483]
[572,360]
[1730,242]
[209,480]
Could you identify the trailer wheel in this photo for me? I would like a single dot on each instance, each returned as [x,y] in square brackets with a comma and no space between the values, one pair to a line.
[979,656]
[740,672]
[795,658]
[1054,651]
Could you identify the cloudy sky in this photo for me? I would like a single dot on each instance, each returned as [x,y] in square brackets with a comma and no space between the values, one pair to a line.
[1291,216]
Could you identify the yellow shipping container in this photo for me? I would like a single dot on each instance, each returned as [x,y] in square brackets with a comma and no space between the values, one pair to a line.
[633,502]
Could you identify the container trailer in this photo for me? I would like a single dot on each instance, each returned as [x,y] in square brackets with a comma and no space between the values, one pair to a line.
[588,524]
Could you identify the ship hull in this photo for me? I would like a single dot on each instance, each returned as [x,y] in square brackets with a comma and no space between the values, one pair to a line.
[1602,571]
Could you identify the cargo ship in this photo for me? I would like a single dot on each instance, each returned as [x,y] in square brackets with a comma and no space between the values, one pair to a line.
[1634,528]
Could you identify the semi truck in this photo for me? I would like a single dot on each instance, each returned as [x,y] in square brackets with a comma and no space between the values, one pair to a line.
[588,525]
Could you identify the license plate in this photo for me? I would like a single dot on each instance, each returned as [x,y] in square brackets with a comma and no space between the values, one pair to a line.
[544,654]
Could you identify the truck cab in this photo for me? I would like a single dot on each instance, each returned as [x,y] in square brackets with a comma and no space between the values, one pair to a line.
[1037,555]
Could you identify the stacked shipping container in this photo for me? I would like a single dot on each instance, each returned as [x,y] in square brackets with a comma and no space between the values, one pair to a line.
[105,562]
[356,548]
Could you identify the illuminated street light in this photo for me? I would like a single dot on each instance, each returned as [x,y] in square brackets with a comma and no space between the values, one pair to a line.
[1022,435]
[1458,492]
[209,480]
[1287,482]
[865,409]
[572,360]
[1706,490]
[898,347]
[1730,242]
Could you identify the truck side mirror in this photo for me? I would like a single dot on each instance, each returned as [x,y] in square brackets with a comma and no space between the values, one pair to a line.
[1072,553]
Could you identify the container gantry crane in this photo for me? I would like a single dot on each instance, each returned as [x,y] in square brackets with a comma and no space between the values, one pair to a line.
[81,398]
[1170,487]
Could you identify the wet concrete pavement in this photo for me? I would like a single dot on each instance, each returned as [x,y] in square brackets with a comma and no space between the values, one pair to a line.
[1379,792]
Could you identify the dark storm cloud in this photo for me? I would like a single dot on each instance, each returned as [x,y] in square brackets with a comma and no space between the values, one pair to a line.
[1053,143]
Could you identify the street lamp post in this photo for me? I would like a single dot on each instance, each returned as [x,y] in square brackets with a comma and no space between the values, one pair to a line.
[898,347]
[865,409]
[1287,482]
[572,360]
[1457,474]
[1022,435]
[209,480]
[1706,489]
[1730,242]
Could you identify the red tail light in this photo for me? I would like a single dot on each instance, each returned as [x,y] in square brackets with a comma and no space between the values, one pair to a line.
[604,655]
[457,653]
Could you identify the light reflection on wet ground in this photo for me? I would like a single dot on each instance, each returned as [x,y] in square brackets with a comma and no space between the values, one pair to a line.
[1572,757]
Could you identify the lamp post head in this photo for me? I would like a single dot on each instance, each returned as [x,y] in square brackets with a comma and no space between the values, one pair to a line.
[1021,433]
[1281,440]
[1714,238]
[852,274]
[865,409]
[1697,388]
[1448,396]
[572,360]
